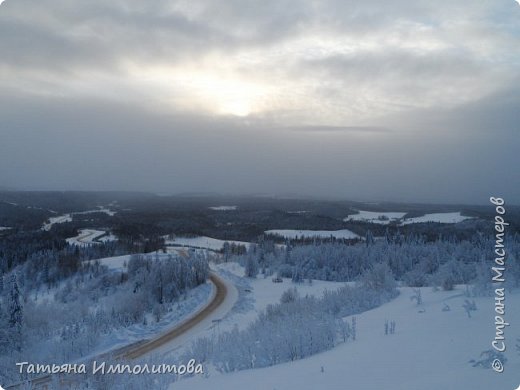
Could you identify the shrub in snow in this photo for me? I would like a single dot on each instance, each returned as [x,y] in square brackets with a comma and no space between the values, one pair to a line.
[487,357]
[379,278]
[289,295]
[392,327]
[469,306]
[297,275]
[417,296]
[389,327]
[482,285]
[415,278]
[354,328]
[285,271]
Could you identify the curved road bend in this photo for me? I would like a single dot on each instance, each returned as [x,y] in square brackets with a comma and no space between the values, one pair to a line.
[139,349]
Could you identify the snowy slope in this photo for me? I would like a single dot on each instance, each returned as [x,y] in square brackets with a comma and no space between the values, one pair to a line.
[430,351]
[261,292]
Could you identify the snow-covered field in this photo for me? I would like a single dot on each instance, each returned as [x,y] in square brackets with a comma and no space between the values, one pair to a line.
[4,228]
[383,218]
[223,208]
[430,350]
[295,234]
[260,292]
[68,217]
[437,217]
[202,242]
[91,236]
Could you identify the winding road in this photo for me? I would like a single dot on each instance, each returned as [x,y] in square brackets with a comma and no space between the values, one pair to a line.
[137,351]
[223,298]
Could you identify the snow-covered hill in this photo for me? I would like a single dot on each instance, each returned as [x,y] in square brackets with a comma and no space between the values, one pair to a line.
[430,350]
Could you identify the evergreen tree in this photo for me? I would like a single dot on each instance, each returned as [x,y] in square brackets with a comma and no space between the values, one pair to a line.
[15,306]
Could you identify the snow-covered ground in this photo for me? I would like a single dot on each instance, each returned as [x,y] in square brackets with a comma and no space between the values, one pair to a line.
[246,298]
[430,350]
[4,228]
[437,217]
[223,208]
[202,242]
[9,203]
[68,217]
[55,220]
[295,234]
[259,292]
[91,236]
[100,209]
[383,218]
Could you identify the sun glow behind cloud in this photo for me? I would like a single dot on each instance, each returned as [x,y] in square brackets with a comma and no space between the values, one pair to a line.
[206,62]
[325,72]
[202,89]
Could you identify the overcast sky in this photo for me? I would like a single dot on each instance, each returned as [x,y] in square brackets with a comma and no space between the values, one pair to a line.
[378,100]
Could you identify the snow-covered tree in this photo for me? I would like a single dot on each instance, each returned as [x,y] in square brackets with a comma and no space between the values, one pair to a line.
[251,266]
[15,304]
